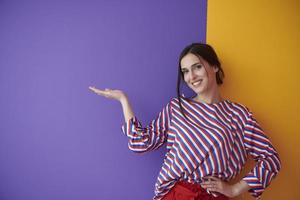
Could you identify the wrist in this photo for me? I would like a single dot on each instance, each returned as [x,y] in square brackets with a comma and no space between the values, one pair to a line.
[123,99]
[239,188]
[235,190]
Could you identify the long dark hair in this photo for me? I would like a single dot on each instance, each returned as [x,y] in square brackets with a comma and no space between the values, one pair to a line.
[206,52]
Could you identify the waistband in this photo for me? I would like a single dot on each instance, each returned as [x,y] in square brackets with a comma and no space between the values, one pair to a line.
[195,190]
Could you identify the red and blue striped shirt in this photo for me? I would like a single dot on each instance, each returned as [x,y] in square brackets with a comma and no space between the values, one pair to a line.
[215,141]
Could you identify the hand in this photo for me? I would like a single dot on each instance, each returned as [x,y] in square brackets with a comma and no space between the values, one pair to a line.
[214,184]
[108,93]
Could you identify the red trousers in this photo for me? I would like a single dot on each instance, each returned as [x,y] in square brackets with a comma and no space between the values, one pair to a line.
[189,191]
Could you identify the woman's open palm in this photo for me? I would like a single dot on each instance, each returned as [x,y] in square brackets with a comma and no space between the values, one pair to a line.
[109,93]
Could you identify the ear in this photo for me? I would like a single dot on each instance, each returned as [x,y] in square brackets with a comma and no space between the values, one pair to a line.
[216,69]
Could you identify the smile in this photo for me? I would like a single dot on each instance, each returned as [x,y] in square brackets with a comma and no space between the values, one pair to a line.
[196,83]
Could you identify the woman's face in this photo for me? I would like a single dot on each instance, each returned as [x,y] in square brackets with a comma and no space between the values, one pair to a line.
[199,75]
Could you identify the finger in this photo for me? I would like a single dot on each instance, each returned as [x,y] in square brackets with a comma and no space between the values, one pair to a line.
[94,89]
[104,94]
[101,93]
[215,179]
[212,178]
[213,184]
[98,91]
[208,186]
[206,183]
[205,187]
[214,190]
[91,88]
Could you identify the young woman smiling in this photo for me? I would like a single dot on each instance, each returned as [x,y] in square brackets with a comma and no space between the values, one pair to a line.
[208,138]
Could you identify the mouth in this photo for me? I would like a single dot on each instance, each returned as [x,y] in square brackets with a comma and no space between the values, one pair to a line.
[197,83]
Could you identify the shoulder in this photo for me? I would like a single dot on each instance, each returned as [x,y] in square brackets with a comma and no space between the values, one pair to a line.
[238,108]
[174,102]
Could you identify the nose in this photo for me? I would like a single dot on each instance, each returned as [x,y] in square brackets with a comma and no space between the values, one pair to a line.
[192,75]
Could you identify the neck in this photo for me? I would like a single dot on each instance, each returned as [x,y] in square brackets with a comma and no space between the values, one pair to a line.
[211,96]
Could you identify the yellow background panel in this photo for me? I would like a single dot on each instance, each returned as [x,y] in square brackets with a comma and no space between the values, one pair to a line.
[258,42]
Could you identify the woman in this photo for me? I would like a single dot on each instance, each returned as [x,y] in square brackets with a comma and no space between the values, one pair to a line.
[208,138]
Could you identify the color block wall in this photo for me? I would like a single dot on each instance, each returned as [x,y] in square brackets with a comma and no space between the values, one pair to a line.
[258,42]
[58,140]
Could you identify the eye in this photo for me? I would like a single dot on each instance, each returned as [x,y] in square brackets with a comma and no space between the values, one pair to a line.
[184,71]
[198,66]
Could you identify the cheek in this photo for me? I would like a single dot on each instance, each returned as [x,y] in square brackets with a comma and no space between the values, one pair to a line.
[202,72]
[184,77]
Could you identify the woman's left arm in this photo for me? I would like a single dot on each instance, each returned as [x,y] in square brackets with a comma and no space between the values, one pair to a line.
[260,148]
[268,164]
[214,184]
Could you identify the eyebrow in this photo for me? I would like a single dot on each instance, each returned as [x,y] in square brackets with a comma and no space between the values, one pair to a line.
[191,65]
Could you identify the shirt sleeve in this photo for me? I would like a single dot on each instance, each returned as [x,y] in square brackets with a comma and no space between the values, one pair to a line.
[267,160]
[142,139]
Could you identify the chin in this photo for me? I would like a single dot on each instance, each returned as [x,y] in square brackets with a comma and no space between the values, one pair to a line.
[198,91]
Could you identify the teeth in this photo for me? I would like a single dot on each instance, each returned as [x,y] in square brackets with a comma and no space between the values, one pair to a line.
[196,83]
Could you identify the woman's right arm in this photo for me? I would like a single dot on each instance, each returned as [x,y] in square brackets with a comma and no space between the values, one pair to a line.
[141,138]
[119,96]
[127,109]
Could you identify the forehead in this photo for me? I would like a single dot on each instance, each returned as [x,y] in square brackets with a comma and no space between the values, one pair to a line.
[190,59]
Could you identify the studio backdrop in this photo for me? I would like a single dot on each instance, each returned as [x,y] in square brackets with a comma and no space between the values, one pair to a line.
[60,141]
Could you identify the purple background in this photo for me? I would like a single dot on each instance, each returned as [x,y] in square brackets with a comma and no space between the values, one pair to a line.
[59,140]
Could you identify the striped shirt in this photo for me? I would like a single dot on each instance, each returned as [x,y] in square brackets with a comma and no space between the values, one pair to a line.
[215,141]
